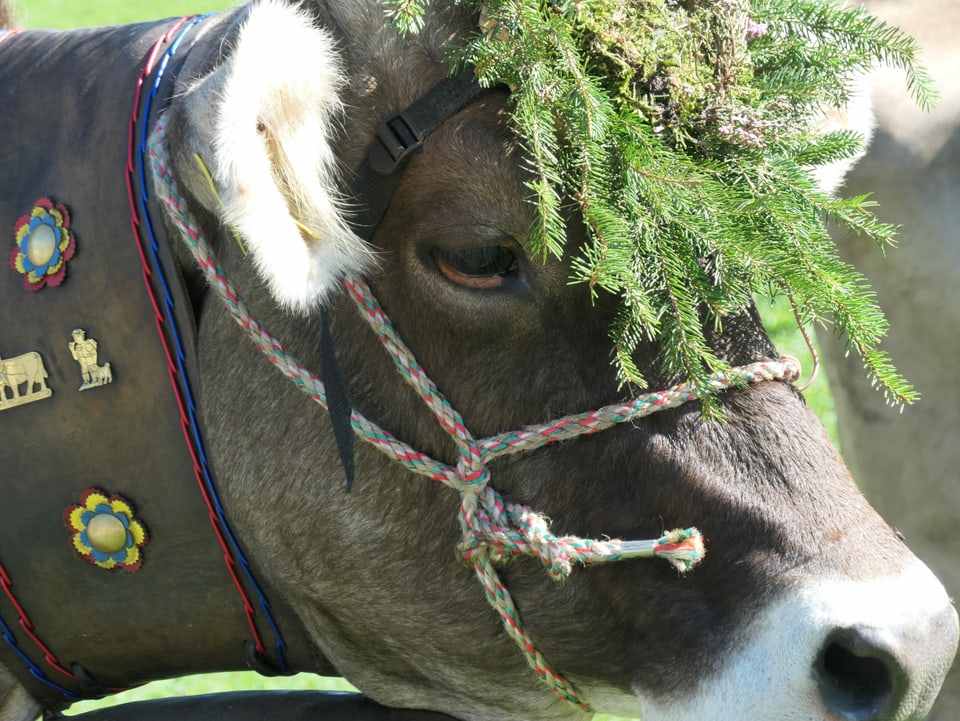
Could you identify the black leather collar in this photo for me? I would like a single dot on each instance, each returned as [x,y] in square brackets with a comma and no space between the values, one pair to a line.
[69,628]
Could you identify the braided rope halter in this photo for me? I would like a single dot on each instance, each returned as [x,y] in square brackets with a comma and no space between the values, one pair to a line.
[493,530]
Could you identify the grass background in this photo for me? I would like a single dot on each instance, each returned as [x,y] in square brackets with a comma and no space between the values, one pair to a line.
[75,13]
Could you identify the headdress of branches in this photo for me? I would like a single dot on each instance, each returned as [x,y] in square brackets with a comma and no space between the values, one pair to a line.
[685,132]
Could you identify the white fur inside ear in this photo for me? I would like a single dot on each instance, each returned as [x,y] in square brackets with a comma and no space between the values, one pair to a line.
[273,159]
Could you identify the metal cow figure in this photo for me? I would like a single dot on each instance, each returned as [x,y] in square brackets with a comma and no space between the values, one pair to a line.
[23,369]
[197,194]
[907,462]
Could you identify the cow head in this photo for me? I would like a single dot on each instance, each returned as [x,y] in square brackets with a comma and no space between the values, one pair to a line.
[807,606]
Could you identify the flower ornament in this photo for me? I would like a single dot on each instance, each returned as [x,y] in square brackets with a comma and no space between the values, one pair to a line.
[105,531]
[44,244]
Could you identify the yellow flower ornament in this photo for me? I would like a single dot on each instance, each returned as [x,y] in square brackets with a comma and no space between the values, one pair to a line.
[106,532]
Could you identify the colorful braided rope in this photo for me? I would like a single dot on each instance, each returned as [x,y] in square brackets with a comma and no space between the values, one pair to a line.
[143,230]
[492,530]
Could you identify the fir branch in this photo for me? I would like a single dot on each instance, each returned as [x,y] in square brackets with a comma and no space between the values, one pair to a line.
[863,39]
[406,15]
[683,134]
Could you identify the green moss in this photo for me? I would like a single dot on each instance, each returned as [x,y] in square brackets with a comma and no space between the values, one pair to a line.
[683,65]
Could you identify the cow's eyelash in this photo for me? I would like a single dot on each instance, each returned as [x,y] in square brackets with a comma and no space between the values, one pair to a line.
[478,267]
[480,261]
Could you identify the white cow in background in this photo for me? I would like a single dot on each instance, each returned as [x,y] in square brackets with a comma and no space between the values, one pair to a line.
[909,464]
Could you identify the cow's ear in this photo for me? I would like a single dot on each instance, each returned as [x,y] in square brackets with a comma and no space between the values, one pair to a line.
[269,113]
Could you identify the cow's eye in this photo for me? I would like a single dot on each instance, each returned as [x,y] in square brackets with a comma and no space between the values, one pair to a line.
[485,266]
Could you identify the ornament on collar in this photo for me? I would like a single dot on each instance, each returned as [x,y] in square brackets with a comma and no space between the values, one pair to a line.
[44,244]
[105,531]
[84,352]
[25,378]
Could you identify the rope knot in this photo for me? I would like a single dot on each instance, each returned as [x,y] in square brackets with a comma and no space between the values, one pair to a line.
[791,369]
[471,472]
[500,531]
[683,547]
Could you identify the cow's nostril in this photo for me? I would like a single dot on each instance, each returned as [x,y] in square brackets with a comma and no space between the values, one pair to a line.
[858,677]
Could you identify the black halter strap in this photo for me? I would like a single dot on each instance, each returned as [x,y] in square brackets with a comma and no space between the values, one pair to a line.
[396,139]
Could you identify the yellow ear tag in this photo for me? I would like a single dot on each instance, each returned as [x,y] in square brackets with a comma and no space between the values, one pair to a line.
[213,189]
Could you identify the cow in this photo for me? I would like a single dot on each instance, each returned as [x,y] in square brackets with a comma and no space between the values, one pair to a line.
[907,462]
[236,137]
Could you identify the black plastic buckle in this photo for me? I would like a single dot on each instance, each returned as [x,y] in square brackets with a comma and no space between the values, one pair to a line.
[396,139]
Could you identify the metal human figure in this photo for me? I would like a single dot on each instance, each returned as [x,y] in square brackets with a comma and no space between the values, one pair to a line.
[84,352]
